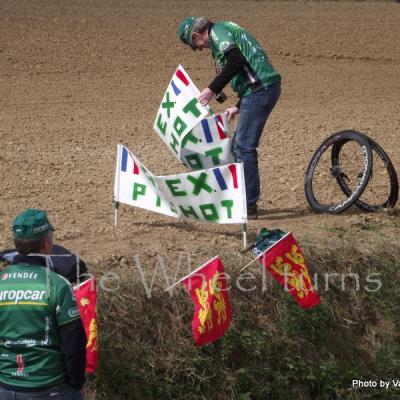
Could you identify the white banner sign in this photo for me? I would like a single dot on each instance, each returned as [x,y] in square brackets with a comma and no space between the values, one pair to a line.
[179,111]
[214,195]
[208,144]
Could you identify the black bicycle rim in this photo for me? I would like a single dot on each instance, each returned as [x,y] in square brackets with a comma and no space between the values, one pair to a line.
[391,193]
[321,188]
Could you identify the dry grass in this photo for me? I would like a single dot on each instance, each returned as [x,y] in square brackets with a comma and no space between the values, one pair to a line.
[273,348]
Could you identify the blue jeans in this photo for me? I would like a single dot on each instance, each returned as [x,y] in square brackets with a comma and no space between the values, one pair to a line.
[61,392]
[254,112]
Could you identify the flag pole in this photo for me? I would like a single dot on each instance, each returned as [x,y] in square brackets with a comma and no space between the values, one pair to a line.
[244,231]
[117,180]
[244,226]
[116,205]
[191,273]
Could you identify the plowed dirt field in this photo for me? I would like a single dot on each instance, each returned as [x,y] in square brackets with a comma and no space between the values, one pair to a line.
[76,78]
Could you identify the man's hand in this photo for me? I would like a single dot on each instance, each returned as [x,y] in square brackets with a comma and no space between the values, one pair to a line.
[205,96]
[231,111]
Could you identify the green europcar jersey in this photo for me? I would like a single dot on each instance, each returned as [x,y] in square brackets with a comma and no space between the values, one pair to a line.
[34,303]
[225,35]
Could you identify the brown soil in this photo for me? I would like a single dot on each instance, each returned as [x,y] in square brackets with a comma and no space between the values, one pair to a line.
[76,78]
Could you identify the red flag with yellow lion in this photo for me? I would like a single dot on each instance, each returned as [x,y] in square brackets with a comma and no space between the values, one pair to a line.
[212,312]
[86,297]
[285,261]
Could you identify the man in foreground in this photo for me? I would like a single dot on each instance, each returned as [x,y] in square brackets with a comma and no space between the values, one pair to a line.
[42,339]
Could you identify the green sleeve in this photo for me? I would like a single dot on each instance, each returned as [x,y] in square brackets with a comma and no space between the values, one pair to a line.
[65,302]
[222,38]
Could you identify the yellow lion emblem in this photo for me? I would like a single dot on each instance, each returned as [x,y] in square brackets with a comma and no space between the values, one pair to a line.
[93,332]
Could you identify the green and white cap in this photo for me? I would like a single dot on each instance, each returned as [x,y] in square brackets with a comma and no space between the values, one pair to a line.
[185,30]
[31,224]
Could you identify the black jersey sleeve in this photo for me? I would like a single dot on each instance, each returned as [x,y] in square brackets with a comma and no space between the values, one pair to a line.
[73,347]
[234,62]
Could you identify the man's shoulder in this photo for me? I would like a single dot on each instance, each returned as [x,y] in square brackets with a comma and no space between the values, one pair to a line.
[223,36]
[59,280]
[227,25]
[221,30]
[38,273]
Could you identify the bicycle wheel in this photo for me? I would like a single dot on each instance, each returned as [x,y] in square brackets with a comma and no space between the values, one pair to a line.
[383,187]
[354,163]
